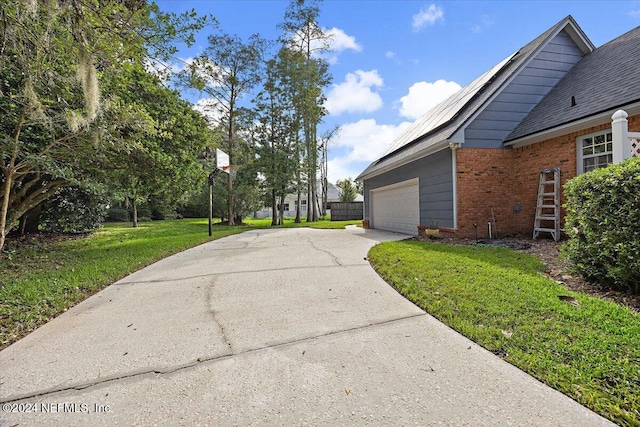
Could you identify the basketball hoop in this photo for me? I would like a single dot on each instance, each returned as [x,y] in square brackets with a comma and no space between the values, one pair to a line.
[222,163]
[231,170]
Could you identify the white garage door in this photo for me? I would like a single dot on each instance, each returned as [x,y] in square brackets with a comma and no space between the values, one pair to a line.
[396,207]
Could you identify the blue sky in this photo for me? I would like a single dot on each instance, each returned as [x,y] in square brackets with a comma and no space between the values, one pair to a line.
[393,59]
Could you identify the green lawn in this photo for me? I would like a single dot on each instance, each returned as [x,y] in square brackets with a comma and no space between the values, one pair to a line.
[289,223]
[497,298]
[43,279]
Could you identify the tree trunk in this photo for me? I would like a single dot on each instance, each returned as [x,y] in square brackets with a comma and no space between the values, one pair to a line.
[299,197]
[229,179]
[324,196]
[4,227]
[281,210]
[230,199]
[135,212]
[274,207]
[309,201]
[30,221]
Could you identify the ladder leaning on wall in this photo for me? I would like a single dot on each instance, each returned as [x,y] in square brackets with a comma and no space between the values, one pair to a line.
[548,207]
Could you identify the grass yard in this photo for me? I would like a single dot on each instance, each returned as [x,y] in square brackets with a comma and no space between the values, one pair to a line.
[289,223]
[42,279]
[498,298]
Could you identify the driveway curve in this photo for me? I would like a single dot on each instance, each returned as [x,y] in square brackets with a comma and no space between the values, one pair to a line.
[268,327]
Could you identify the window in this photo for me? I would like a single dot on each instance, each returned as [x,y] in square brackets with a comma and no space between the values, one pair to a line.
[303,205]
[286,206]
[594,151]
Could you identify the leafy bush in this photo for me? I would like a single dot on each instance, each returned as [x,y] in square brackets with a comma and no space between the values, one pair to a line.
[603,223]
[118,215]
[74,210]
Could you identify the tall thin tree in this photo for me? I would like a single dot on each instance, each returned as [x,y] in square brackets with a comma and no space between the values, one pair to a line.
[228,70]
[302,33]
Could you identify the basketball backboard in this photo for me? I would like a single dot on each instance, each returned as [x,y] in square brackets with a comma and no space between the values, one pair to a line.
[222,160]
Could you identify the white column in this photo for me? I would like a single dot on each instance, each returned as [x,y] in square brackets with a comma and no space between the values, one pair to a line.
[620,133]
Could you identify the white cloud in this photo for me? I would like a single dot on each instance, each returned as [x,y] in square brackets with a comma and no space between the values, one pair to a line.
[423,96]
[166,70]
[634,13]
[210,109]
[355,94]
[338,42]
[359,143]
[427,16]
[341,41]
[390,54]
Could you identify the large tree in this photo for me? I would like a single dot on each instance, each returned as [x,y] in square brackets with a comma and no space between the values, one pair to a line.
[52,54]
[160,158]
[227,71]
[277,131]
[303,34]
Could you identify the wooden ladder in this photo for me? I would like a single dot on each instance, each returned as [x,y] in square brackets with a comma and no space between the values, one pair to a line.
[548,208]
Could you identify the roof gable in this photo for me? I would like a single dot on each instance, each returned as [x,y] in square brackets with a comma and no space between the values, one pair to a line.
[447,109]
[515,100]
[604,80]
[434,129]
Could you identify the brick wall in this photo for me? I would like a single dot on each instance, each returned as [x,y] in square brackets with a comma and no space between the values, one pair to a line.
[483,183]
[501,179]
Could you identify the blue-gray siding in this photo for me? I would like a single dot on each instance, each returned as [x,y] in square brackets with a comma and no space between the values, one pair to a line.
[436,187]
[527,89]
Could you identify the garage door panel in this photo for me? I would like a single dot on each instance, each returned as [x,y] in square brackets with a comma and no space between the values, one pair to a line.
[396,208]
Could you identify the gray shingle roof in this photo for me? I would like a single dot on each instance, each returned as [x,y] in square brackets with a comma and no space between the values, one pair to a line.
[604,79]
[411,143]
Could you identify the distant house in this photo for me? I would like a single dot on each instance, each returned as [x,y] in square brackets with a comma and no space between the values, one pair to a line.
[291,201]
[477,157]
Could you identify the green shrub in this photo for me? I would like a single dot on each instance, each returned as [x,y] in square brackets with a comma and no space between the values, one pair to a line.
[74,210]
[603,223]
[118,215]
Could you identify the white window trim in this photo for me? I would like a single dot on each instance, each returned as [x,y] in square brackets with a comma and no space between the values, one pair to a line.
[579,155]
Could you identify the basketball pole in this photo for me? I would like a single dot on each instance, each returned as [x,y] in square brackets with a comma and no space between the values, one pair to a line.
[212,180]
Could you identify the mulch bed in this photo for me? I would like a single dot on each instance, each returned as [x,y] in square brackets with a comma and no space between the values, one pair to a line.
[558,269]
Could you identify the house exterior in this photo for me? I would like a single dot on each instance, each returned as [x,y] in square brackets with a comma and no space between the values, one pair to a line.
[476,158]
[291,201]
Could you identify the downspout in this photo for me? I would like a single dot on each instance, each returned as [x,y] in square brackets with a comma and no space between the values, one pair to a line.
[454,146]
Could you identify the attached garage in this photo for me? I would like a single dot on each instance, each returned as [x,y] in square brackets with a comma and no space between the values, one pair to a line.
[416,193]
[396,207]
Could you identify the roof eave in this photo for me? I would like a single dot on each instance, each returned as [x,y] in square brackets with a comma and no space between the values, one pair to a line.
[434,148]
[591,120]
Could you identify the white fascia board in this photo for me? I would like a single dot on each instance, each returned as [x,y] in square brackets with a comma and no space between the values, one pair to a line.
[579,37]
[575,126]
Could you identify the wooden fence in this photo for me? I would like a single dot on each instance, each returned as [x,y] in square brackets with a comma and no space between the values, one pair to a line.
[343,211]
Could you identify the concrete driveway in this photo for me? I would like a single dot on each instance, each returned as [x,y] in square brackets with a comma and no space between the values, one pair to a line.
[269,327]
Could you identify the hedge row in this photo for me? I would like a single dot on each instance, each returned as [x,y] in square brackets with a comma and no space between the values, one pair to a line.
[603,224]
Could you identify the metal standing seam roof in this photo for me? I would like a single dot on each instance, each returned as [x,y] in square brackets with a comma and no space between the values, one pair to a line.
[605,79]
[442,121]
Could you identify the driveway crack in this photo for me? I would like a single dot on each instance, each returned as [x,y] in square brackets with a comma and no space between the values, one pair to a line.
[312,244]
[174,369]
[212,313]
